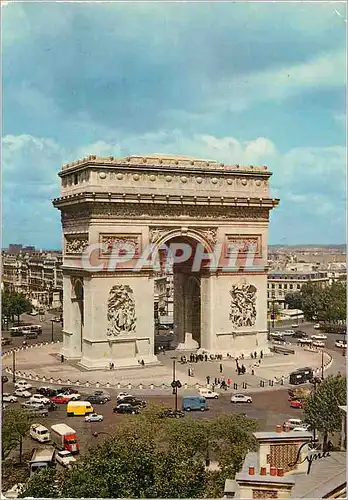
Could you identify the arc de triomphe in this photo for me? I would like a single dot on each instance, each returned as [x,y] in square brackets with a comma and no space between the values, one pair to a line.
[156,200]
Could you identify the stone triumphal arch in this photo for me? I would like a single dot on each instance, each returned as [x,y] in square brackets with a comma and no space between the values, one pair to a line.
[153,201]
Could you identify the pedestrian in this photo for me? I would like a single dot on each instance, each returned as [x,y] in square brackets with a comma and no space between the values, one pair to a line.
[261,354]
[215,381]
[208,379]
[255,354]
[243,369]
[242,355]
[252,372]
[228,381]
[110,367]
[142,362]
[62,358]
[221,368]
[251,355]
[206,357]
[189,372]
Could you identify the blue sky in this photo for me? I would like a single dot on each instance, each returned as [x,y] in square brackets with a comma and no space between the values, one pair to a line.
[262,83]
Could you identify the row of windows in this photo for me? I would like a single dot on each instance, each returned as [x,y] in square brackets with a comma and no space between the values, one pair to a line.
[285,286]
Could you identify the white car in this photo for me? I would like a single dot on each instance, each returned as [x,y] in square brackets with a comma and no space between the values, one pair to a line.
[122,395]
[276,334]
[65,458]
[302,428]
[305,341]
[39,398]
[71,397]
[9,398]
[319,336]
[341,343]
[22,384]
[241,398]
[288,333]
[22,393]
[208,393]
[318,343]
[31,405]
[316,326]
[94,417]
[295,325]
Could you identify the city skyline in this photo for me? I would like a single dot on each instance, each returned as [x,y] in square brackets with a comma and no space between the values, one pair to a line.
[237,83]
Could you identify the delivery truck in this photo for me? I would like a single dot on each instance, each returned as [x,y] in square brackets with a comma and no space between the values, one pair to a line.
[42,459]
[65,438]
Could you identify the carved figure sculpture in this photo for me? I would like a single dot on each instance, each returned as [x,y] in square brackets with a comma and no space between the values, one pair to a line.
[243,304]
[121,311]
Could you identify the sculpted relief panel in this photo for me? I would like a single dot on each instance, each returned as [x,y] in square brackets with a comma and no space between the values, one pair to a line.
[121,311]
[76,244]
[122,242]
[243,304]
[244,244]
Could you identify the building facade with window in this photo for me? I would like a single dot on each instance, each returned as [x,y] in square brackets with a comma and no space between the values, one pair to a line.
[279,284]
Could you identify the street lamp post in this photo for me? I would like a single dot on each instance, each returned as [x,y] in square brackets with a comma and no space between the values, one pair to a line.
[52,333]
[14,366]
[322,364]
[176,384]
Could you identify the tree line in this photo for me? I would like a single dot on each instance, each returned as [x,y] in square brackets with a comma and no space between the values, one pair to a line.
[326,304]
[13,305]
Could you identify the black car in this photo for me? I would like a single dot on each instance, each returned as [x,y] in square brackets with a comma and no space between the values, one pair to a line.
[300,335]
[95,399]
[172,414]
[48,392]
[126,408]
[133,401]
[102,394]
[4,379]
[51,406]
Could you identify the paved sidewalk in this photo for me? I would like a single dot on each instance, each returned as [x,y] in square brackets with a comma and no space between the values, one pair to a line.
[43,361]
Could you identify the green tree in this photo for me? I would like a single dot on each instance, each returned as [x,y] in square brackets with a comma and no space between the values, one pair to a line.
[15,426]
[43,484]
[322,406]
[154,457]
[294,300]
[14,304]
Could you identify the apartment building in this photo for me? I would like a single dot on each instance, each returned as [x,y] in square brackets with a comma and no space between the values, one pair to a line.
[37,275]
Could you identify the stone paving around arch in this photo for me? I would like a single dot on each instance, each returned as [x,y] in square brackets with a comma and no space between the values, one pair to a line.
[44,361]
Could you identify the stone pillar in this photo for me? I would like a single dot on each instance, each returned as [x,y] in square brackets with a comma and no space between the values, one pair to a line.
[207,328]
[72,322]
[179,307]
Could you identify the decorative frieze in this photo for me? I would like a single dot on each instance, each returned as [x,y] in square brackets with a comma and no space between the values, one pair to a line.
[76,244]
[209,234]
[166,211]
[122,242]
[243,304]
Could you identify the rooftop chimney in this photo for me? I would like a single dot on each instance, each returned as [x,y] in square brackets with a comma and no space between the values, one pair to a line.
[278,429]
[251,471]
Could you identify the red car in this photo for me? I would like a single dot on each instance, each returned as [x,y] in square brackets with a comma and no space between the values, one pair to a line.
[295,403]
[60,399]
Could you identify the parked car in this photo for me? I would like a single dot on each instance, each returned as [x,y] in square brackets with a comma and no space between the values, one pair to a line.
[318,343]
[288,333]
[22,393]
[47,391]
[319,336]
[122,395]
[56,319]
[94,417]
[96,399]
[134,401]
[67,390]
[43,412]
[300,335]
[292,423]
[51,406]
[294,325]
[6,341]
[341,344]
[126,408]
[103,394]
[316,326]
[241,398]
[305,341]
[39,398]
[60,399]
[169,413]
[71,396]
[296,403]
[22,384]
[194,403]
[65,458]
[9,398]
[302,428]
[31,335]
[4,379]
[33,405]
[208,393]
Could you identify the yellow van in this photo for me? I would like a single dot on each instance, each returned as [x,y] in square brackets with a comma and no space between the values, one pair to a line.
[79,408]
